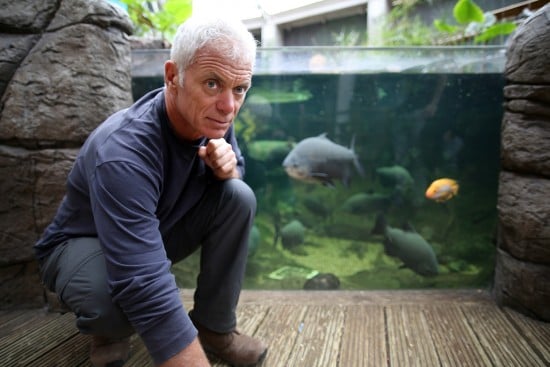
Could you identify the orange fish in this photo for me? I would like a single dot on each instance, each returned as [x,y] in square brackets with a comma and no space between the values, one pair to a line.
[442,190]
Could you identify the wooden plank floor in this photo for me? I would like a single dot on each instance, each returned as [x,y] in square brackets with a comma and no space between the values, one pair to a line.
[325,328]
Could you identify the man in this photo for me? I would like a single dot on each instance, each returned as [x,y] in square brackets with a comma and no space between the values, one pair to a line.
[150,185]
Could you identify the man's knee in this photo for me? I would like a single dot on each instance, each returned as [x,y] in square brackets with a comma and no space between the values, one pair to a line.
[100,316]
[239,194]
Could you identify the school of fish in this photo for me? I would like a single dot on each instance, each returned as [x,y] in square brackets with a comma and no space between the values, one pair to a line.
[319,160]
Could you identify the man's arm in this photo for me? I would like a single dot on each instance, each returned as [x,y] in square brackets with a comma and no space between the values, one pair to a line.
[124,197]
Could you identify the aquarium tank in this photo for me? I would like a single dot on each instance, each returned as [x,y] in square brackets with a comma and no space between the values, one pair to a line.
[373,168]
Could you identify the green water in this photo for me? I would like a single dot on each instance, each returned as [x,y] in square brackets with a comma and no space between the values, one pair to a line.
[432,125]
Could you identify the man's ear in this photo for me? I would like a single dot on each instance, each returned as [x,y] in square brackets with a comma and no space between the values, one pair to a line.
[170,74]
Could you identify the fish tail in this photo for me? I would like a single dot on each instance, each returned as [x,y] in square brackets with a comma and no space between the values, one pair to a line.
[352,144]
[358,167]
[356,162]
[379,225]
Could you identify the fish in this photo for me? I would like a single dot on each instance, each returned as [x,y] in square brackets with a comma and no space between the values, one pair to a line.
[269,150]
[442,189]
[363,203]
[319,160]
[396,176]
[293,234]
[408,246]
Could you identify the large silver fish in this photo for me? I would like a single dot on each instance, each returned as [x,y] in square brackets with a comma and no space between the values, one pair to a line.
[408,246]
[317,159]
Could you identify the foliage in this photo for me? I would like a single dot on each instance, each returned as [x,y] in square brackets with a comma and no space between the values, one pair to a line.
[473,21]
[404,29]
[346,38]
[158,18]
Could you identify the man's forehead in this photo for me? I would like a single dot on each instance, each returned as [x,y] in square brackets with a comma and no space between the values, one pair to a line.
[211,53]
[213,65]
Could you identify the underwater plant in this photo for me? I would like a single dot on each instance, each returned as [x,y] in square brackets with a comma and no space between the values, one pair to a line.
[245,126]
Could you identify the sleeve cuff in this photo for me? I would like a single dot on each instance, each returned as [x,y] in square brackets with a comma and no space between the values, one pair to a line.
[169,336]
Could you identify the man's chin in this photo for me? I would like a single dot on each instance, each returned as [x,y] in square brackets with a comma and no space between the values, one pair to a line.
[216,133]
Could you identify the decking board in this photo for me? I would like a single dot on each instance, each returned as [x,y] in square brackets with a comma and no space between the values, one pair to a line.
[139,356]
[504,344]
[409,339]
[455,341]
[26,345]
[324,329]
[318,339]
[73,352]
[538,337]
[364,337]
[20,319]
[280,329]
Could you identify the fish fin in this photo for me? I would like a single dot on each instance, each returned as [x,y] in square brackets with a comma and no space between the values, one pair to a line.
[389,249]
[346,181]
[318,175]
[379,225]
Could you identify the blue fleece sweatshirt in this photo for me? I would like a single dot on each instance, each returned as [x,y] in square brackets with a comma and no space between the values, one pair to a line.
[132,181]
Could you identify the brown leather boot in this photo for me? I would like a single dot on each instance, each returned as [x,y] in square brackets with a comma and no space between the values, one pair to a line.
[105,352]
[234,348]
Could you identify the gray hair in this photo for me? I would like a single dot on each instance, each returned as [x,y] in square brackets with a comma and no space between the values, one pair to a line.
[230,37]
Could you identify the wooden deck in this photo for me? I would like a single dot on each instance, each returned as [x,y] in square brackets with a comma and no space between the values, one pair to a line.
[326,328]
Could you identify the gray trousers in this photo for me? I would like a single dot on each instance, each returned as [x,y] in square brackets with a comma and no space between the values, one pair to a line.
[219,224]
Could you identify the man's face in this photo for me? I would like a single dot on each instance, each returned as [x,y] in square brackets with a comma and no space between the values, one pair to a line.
[213,91]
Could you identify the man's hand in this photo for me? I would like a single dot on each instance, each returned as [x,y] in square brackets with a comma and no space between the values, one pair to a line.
[220,157]
[192,356]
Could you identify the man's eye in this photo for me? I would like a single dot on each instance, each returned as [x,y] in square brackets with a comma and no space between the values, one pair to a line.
[241,90]
[212,84]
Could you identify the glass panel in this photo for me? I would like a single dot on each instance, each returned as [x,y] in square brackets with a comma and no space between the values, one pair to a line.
[396,120]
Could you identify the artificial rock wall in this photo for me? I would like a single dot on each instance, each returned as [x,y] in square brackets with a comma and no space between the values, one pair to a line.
[64,67]
[522,275]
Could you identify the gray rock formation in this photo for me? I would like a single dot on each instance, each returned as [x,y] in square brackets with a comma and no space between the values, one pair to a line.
[522,274]
[64,67]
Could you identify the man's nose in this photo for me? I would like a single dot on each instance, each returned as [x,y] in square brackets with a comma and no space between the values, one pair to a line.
[226,101]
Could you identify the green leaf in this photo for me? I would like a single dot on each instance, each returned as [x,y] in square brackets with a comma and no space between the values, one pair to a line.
[499,29]
[467,11]
[166,21]
[179,9]
[444,27]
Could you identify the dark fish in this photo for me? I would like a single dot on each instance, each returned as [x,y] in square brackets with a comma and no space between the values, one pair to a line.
[317,159]
[317,206]
[269,150]
[364,203]
[293,234]
[408,246]
[395,176]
